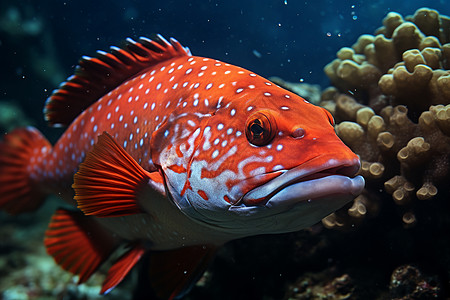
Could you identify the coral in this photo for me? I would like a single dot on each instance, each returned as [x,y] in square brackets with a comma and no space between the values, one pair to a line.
[407,282]
[314,287]
[408,59]
[391,102]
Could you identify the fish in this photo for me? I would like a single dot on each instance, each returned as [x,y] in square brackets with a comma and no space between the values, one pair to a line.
[172,155]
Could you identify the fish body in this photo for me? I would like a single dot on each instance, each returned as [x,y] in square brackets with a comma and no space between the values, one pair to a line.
[174,154]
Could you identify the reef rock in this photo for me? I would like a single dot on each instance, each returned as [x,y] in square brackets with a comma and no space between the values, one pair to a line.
[391,102]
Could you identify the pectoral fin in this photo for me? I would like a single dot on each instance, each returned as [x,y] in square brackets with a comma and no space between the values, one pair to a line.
[109,179]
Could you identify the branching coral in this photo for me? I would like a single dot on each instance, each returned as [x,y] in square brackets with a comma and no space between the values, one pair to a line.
[391,101]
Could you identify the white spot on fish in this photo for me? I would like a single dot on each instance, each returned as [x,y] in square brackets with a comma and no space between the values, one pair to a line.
[285,108]
[233,112]
[158,86]
[135,120]
[279,147]
[215,154]
[188,71]
[239,90]
[220,126]
[267,94]
[209,86]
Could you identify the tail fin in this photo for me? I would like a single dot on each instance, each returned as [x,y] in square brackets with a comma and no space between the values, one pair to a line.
[21,152]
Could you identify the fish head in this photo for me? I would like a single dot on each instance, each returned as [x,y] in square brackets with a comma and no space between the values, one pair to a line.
[264,161]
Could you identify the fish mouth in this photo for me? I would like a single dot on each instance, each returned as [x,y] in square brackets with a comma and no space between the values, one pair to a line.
[320,177]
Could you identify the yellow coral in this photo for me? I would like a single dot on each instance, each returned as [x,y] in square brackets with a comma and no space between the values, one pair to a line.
[391,101]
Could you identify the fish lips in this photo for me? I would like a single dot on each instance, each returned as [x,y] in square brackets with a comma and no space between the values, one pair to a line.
[315,179]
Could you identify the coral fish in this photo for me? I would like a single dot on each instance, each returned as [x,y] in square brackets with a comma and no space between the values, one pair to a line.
[173,155]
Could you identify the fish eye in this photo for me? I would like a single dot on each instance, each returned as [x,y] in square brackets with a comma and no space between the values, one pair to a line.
[260,129]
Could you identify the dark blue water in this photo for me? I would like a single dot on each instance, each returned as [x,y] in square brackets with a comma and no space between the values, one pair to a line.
[295,39]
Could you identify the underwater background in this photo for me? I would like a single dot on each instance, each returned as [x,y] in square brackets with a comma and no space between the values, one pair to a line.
[393,243]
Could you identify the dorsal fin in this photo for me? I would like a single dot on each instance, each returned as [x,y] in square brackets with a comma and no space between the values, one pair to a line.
[96,76]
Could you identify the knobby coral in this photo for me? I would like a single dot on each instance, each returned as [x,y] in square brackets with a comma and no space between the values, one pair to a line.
[391,101]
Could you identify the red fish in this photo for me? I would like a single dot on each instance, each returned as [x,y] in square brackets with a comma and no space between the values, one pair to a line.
[175,155]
